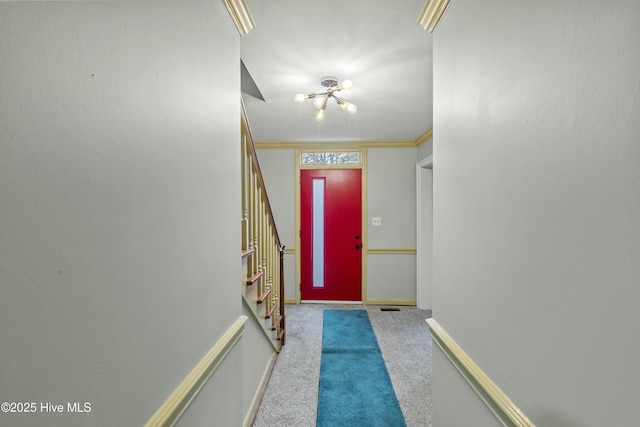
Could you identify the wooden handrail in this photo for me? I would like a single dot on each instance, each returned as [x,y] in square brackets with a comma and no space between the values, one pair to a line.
[281,319]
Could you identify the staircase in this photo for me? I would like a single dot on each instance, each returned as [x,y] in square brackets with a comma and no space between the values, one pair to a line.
[262,253]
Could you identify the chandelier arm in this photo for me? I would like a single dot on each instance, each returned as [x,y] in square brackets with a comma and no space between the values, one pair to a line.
[324,104]
[313,95]
[333,86]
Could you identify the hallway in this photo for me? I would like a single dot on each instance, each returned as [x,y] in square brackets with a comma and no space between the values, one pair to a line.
[121,190]
[290,398]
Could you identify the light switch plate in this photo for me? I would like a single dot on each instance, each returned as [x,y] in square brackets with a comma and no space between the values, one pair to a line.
[376,220]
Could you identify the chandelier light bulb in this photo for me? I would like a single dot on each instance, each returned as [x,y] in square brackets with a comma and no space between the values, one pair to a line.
[346,85]
[319,102]
[320,115]
[300,97]
[352,109]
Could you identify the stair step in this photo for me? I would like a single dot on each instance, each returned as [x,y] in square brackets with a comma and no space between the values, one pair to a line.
[247,252]
[270,312]
[264,296]
[253,279]
[275,324]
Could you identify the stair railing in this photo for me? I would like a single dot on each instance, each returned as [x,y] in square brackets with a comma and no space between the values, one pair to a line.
[262,251]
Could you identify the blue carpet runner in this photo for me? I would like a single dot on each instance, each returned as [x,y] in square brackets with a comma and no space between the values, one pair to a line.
[355,388]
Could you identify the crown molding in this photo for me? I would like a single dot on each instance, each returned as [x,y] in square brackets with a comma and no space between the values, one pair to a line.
[431,14]
[332,145]
[426,136]
[240,14]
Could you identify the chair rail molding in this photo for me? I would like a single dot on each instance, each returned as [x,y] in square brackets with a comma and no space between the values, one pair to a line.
[171,410]
[391,251]
[495,399]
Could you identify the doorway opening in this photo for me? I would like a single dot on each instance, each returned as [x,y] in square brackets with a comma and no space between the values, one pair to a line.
[331,239]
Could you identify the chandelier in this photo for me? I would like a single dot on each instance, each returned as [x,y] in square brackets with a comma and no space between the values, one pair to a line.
[332,85]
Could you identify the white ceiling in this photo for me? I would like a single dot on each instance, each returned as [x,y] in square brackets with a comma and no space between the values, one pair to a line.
[375,43]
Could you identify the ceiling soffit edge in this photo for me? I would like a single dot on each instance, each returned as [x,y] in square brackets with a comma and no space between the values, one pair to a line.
[240,14]
[431,14]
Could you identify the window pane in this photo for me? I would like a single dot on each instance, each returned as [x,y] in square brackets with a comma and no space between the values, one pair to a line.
[331,158]
[318,233]
[307,158]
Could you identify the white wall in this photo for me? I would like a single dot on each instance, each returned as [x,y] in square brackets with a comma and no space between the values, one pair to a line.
[206,409]
[391,195]
[278,171]
[537,203]
[391,191]
[424,231]
[256,361]
[119,248]
[425,149]
[456,404]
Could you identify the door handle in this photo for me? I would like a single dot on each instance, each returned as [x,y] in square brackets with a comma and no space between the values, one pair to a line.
[357,245]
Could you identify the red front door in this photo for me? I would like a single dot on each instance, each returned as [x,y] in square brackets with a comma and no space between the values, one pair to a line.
[331,235]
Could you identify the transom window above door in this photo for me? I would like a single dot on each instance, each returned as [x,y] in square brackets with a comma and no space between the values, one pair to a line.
[331,158]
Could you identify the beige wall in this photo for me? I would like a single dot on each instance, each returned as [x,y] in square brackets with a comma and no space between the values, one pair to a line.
[537,204]
[119,244]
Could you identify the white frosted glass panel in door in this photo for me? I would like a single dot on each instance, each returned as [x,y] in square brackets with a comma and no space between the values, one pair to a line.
[318,232]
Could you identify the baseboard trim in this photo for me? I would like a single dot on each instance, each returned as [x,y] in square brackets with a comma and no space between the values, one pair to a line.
[328,302]
[498,402]
[259,324]
[179,400]
[253,410]
[367,302]
[391,301]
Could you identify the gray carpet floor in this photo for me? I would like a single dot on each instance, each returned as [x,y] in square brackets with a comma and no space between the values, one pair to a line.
[291,396]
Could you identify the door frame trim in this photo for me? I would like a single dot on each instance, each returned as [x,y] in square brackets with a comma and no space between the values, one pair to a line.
[423,286]
[363,184]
